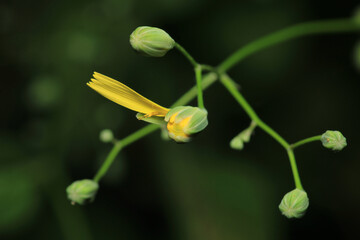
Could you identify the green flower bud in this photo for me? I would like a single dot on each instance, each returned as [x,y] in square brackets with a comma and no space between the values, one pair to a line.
[294,204]
[184,121]
[106,136]
[82,191]
[151,41]
[333,140]
[237,143]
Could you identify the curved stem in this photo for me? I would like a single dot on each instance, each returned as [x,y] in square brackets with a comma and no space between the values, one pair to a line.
[294,169]
[121,144]
[304,141]
[230,86]
[198,75]
[303,29]
[186,54]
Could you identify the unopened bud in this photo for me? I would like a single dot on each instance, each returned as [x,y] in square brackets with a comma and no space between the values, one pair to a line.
[243,137]
[106,136]
[185,121]
[294,204]
[333,140]
[151,41]
[82,191]
[237,143]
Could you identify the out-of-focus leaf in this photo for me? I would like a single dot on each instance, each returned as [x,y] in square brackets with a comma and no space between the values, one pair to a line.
[18,199]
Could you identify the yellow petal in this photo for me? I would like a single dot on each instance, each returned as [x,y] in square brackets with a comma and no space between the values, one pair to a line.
[125,96]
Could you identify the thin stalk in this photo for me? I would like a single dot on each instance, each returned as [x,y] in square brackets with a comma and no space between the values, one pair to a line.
[298,30]
[186,54]
[304,141]
[121,144]
[198,75]
[294,169]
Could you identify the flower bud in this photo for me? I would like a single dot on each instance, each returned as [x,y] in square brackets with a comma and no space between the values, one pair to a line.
[106,136]
[82,191]
[185,121]
[237,142]
[151,41]
[294,204]
[333,140]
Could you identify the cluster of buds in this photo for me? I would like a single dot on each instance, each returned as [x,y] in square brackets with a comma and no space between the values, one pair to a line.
[183,122]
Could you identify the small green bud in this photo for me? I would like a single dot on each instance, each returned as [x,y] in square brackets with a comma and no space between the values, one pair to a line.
[237,143]
[151,41]
[106,136]
[82,191]
[294,204]
[244,136]
[333,140]
[185,121]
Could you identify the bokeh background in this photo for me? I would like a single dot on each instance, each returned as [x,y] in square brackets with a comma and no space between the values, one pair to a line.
[50,122]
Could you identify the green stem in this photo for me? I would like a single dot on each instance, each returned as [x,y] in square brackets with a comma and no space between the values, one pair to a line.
[198,75]
[302,29]
[304,141]
[121,144]
[231,87]
[294,169]
[186,54]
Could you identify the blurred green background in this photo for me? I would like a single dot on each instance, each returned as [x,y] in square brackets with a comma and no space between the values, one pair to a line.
[50,122]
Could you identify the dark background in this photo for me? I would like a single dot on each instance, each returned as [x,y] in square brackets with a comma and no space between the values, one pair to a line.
[50,122]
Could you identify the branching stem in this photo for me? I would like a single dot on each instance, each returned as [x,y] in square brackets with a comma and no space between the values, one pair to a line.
[231,87]
[304,141]
[299,30]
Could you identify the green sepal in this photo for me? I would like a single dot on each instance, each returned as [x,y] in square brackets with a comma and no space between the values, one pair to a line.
[155,120]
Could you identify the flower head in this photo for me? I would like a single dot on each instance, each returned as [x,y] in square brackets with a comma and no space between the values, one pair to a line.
[184,121]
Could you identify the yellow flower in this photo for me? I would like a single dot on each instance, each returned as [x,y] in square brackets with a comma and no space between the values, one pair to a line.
[182,122]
